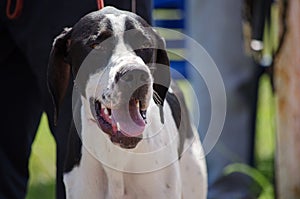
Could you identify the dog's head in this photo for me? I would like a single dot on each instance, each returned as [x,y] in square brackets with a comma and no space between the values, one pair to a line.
[128,66]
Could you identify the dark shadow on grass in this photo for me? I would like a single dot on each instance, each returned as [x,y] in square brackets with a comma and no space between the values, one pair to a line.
[41,190]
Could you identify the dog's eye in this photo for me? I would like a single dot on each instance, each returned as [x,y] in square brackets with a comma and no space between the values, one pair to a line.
[95,46]
[103,36]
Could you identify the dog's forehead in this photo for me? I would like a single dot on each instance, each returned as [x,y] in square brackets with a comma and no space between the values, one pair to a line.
[107,19]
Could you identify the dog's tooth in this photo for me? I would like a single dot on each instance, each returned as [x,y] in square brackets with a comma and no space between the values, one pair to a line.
[109,116]
[118,126]
[138,104]
[105,111]
[143,114]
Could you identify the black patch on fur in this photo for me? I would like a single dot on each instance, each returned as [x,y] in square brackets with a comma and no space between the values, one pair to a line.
[129,25]
[141,40]
[180,114]
[74,150]
[95,41]
[161,75]
[74,142]
[175,108]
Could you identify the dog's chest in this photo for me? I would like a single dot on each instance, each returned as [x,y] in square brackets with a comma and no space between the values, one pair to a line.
[94,180]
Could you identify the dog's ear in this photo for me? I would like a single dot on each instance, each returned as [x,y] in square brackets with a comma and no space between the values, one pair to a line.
[59,70]
[161,73]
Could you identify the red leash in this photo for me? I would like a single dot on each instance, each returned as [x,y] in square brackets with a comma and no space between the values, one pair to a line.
[17,11]
[100,4]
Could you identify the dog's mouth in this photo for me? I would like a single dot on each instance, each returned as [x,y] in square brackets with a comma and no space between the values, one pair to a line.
[124,124]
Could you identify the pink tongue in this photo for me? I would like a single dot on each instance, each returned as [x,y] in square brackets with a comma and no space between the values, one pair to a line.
[129,118]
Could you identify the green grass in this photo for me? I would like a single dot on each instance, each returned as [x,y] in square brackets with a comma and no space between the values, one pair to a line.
[265,138]
[267,188]
[265,129]
[42,164]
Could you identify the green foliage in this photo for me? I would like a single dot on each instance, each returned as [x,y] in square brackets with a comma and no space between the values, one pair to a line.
[42,164]
[256,175]
[263,174]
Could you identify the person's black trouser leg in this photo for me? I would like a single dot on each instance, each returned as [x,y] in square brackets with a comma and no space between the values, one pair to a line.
[21,110]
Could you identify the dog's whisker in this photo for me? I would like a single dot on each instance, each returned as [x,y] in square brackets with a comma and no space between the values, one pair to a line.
[157,98]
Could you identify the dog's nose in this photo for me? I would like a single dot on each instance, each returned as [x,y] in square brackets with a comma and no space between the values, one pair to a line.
[133,78]
[133,83]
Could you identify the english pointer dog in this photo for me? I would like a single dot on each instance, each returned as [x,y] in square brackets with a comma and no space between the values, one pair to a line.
[131,136]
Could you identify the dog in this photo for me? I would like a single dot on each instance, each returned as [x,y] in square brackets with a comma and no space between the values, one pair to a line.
[131,136]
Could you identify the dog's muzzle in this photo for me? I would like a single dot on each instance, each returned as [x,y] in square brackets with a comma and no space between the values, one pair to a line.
[122,112]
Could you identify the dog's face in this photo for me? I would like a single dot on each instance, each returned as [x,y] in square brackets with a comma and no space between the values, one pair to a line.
[129,68]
